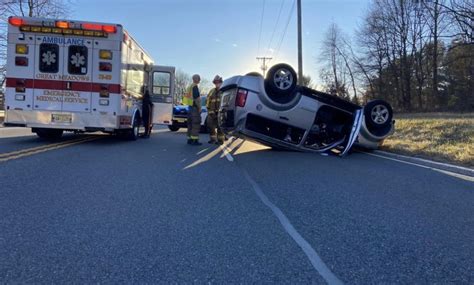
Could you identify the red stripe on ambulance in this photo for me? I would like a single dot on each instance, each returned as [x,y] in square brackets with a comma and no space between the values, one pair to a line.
[62,85]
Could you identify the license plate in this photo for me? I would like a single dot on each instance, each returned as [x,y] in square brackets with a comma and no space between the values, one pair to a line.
[61,118]
[179,120]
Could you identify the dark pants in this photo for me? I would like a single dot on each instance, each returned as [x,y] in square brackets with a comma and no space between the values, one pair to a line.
[194,123]
[147,120]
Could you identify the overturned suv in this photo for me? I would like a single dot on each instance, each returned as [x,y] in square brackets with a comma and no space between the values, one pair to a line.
[278,113]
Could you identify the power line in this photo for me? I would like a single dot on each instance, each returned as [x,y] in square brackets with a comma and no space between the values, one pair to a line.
[276,24]
[261,26]
[286,28]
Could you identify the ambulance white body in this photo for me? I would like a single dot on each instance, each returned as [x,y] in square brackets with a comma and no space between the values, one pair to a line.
[81,76]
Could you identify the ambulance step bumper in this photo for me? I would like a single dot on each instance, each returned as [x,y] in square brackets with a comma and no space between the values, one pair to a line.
[78,121]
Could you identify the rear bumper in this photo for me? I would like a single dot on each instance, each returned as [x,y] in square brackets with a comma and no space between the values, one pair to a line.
[80,121]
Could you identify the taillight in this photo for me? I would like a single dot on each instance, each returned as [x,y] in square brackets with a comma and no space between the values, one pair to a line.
[21,61]
[15,21]
[105,66]
[104,91]
[241,98]
[20,86]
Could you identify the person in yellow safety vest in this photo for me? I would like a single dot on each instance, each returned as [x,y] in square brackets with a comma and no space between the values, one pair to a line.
[192,98]
[213,104]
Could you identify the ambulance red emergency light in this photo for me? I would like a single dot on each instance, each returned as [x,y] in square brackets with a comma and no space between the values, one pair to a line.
[81,76]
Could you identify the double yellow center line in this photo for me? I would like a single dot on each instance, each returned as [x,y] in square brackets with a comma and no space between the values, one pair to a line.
[35,150]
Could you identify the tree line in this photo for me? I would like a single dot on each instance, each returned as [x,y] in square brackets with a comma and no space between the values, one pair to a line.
[416,54]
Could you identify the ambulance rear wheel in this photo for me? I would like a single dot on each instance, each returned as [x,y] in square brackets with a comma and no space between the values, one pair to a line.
[49,134]
[134,131]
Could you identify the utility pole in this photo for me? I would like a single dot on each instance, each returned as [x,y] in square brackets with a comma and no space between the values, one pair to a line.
[300,46]
[264,65]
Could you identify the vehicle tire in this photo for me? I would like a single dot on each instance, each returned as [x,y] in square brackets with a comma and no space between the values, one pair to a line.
[173,128]
[254,73]
[280,82]
[133,133]
[378,114]
[49,134]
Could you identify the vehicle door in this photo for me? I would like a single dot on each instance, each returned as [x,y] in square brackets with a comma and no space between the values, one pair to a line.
[48,84]
[77,74]
[162,94]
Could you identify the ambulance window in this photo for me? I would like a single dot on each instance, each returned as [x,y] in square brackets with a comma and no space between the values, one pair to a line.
[77,62]
[49,58]
[161,83]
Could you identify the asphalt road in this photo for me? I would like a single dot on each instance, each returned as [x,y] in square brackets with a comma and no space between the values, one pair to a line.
[91,209]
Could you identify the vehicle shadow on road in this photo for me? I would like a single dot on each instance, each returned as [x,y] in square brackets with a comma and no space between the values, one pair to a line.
[23,142]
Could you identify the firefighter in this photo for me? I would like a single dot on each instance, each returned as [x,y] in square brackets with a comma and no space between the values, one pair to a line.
[213,103]
[192,98]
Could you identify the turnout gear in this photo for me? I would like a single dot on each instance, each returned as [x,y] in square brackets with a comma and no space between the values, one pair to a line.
[192,99]
[213,104]
[194,123]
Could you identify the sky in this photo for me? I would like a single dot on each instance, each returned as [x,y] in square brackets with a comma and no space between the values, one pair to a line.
[212,37]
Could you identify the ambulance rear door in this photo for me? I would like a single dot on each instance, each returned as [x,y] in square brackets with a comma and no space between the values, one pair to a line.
[162,93]
[77,74]
[48,84]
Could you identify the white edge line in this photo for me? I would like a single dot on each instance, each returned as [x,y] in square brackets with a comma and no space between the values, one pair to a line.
[312,255]
[461,176]
[425,160]
[204,150]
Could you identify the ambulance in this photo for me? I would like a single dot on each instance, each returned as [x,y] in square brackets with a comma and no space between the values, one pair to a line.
[80,76]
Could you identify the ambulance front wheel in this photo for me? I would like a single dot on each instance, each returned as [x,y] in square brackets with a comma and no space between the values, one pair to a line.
[48,134]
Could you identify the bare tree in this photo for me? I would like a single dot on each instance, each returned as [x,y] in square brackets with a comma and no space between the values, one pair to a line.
[336,64]
[27,8]
[461,12]
[182,81]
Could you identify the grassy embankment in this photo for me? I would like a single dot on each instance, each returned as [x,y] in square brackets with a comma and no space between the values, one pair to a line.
[444,137]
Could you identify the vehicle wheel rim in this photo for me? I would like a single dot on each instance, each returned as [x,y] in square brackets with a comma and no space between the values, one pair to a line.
[379,114]
[135,130]
[283,79]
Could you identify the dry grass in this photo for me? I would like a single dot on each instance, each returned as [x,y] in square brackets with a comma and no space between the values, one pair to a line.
[441,137]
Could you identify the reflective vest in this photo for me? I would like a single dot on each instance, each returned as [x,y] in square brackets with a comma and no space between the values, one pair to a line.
[188,96]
